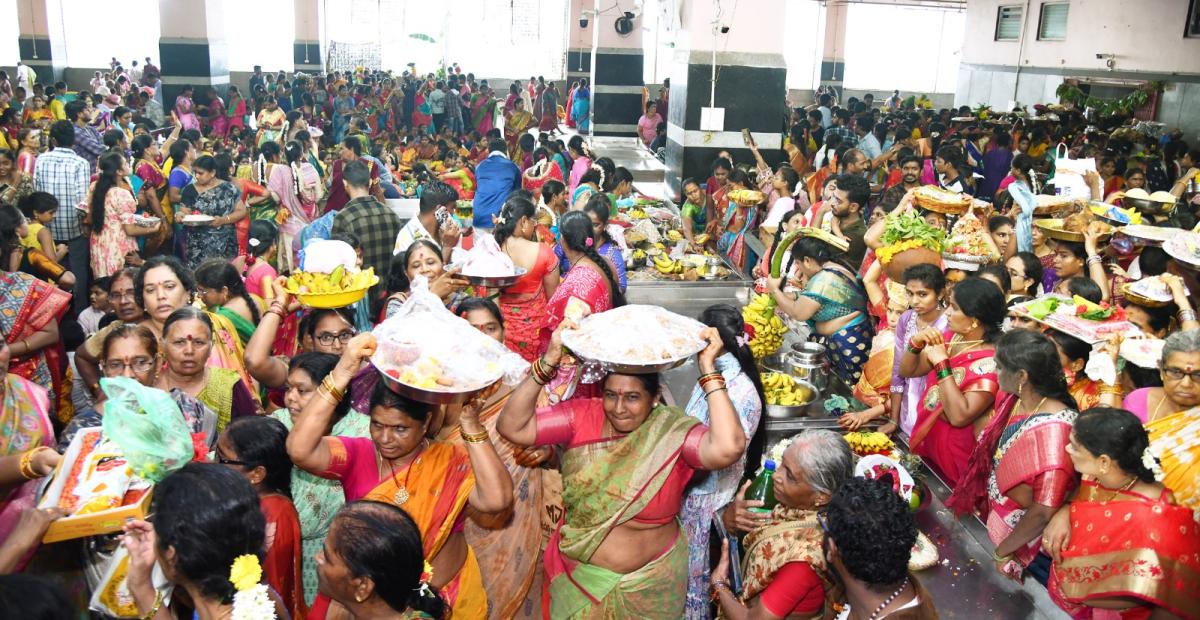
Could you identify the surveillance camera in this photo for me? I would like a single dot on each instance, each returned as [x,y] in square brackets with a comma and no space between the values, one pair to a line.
[583,21]
[1100,56]
[724,28]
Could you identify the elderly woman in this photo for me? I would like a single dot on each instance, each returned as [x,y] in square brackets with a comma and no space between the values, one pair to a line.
[372,563]
[1021,464]
[131,351]
[205,516]
[422,258]
[1085,538]
[784,565]
[1171,414]
[434,481]
[833,301]
[187,336]
[316,499]
[208,195]
[627,460]
[960,377]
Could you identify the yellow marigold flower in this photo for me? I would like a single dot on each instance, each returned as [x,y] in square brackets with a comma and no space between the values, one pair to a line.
[245,572]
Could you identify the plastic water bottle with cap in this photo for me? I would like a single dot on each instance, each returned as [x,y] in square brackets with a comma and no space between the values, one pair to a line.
[763,488]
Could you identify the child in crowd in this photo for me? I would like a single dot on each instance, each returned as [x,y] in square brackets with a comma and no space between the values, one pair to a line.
[100,305]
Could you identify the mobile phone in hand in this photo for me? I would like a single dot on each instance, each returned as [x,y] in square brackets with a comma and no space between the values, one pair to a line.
[747,138]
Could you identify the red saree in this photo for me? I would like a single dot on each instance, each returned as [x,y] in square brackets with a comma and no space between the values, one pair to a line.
[590,286]
[1157,561]
[283,562]
[945,446]
[523,306]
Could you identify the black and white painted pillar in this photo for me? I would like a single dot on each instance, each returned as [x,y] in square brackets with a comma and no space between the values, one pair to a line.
[306,51]
[42,42]
[191,48]
[617,70]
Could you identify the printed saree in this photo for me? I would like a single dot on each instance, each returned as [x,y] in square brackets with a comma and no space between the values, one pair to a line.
[433,490]
[948,447]
[587,285]
[606,483]
[27,305]
[523,307]
[1127,545]
[508,546]
[282,561]
[791,535]
[228,350]
[1032,451]
[24,425]
[1173,441]
[841,295]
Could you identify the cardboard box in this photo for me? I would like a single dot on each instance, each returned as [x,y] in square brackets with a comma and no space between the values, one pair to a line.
[94,524]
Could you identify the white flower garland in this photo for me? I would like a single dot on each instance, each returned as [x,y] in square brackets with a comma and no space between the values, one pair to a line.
[1149,461]
[253,604]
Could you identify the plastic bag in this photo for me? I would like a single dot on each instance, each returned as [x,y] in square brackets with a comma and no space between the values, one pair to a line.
[426,346]
[110,594]
[146,423]
[485,259]
[1069,174]
[636,335]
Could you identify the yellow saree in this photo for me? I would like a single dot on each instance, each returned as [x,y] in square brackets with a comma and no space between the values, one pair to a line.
[1173,441]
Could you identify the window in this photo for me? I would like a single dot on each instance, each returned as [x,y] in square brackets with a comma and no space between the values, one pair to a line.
[1053,24]
[1192,28]
[1008,23]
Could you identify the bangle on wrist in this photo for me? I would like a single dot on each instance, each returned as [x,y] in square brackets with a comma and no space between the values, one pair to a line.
[479,437]
[158,601]
[1184,315]
[333,390]
[1002,558]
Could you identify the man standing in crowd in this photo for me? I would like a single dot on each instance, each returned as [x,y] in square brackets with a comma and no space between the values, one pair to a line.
[351,151]
[66,175]
[864,128]
[429,224]
[88,143]
[496,177]
[841,127]
[374,223]
[910,178]
[848,204]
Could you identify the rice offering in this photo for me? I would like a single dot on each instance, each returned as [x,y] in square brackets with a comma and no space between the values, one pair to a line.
[426,347]
[636,335]
[484,260]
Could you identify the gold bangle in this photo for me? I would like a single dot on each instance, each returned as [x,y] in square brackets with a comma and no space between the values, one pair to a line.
[26,464]
[158,601]
[333,390]
[479,437]
[327,397]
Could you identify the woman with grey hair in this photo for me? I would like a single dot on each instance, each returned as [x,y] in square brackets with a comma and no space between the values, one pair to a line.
[784,567]
[1171,415]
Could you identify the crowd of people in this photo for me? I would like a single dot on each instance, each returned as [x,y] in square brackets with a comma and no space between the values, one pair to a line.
[148,254]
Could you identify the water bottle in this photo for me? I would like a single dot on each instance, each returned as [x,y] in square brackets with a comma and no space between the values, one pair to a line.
[763,488]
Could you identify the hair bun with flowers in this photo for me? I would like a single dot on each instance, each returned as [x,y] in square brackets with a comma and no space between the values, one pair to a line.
[1151,462]
[426,578]
[252,601]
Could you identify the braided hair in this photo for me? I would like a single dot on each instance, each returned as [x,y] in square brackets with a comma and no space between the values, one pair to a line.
[730,326]
[266,154]
[575,228]
[219,273]
[294,151]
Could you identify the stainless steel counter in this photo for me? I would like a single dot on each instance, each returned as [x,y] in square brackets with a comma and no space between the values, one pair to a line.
[690,298]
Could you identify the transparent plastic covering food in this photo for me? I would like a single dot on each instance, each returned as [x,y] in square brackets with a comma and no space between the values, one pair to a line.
[147,425]
[485,259]
[635,335]
[427,347]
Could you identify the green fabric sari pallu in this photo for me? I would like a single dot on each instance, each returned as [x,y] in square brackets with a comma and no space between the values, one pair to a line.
[607,482]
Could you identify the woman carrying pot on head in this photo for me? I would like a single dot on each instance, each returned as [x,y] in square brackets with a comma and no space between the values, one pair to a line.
[833,301]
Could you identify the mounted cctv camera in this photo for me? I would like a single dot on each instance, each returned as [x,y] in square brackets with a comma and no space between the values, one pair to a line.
[1101,56]
[583,21]
[724,28]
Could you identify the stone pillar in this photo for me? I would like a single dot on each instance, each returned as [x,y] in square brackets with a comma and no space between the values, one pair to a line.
[307,52]
[42,42]
[616,76]
[833,54]
[191,48]
[751,86]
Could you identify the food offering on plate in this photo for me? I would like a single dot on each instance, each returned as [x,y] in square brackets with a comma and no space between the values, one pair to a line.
[1184,248]
[1113,214]
[1150,291]
[1149,235]
[909,240]
[747,197]
[764,327]
[866,443]
[966,243]
[1144,352]
[1158,202]
[146,221]
[427,353]
[1047,204]
[785,390]
[1076,316]
[934,198]
[339,288]
[1072,228]
[196,219]
[485,264]
[636,338]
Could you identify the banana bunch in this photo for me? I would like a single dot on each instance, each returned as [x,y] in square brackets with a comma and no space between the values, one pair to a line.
[668,266]
[637,214]
[639,254]
[759,314]
[674,235]
[782,389]
[863,443]
[338,281]
[701,238]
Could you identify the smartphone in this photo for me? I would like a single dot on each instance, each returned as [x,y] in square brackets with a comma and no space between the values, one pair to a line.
[747,138]
[735,554]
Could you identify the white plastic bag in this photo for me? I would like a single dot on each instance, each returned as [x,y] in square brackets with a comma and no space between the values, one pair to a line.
[426,346]
[1069,173]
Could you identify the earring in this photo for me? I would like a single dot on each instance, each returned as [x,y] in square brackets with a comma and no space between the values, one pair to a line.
[974,325]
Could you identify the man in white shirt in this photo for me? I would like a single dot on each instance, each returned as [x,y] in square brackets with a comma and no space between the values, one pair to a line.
[26,77]
[867,142]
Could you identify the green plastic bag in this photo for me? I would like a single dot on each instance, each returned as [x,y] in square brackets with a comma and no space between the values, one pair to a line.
[146,423]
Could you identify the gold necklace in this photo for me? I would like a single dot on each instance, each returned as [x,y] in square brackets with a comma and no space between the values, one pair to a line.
[1128,485]
[402,495]
[1038,407]
[1154,414]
